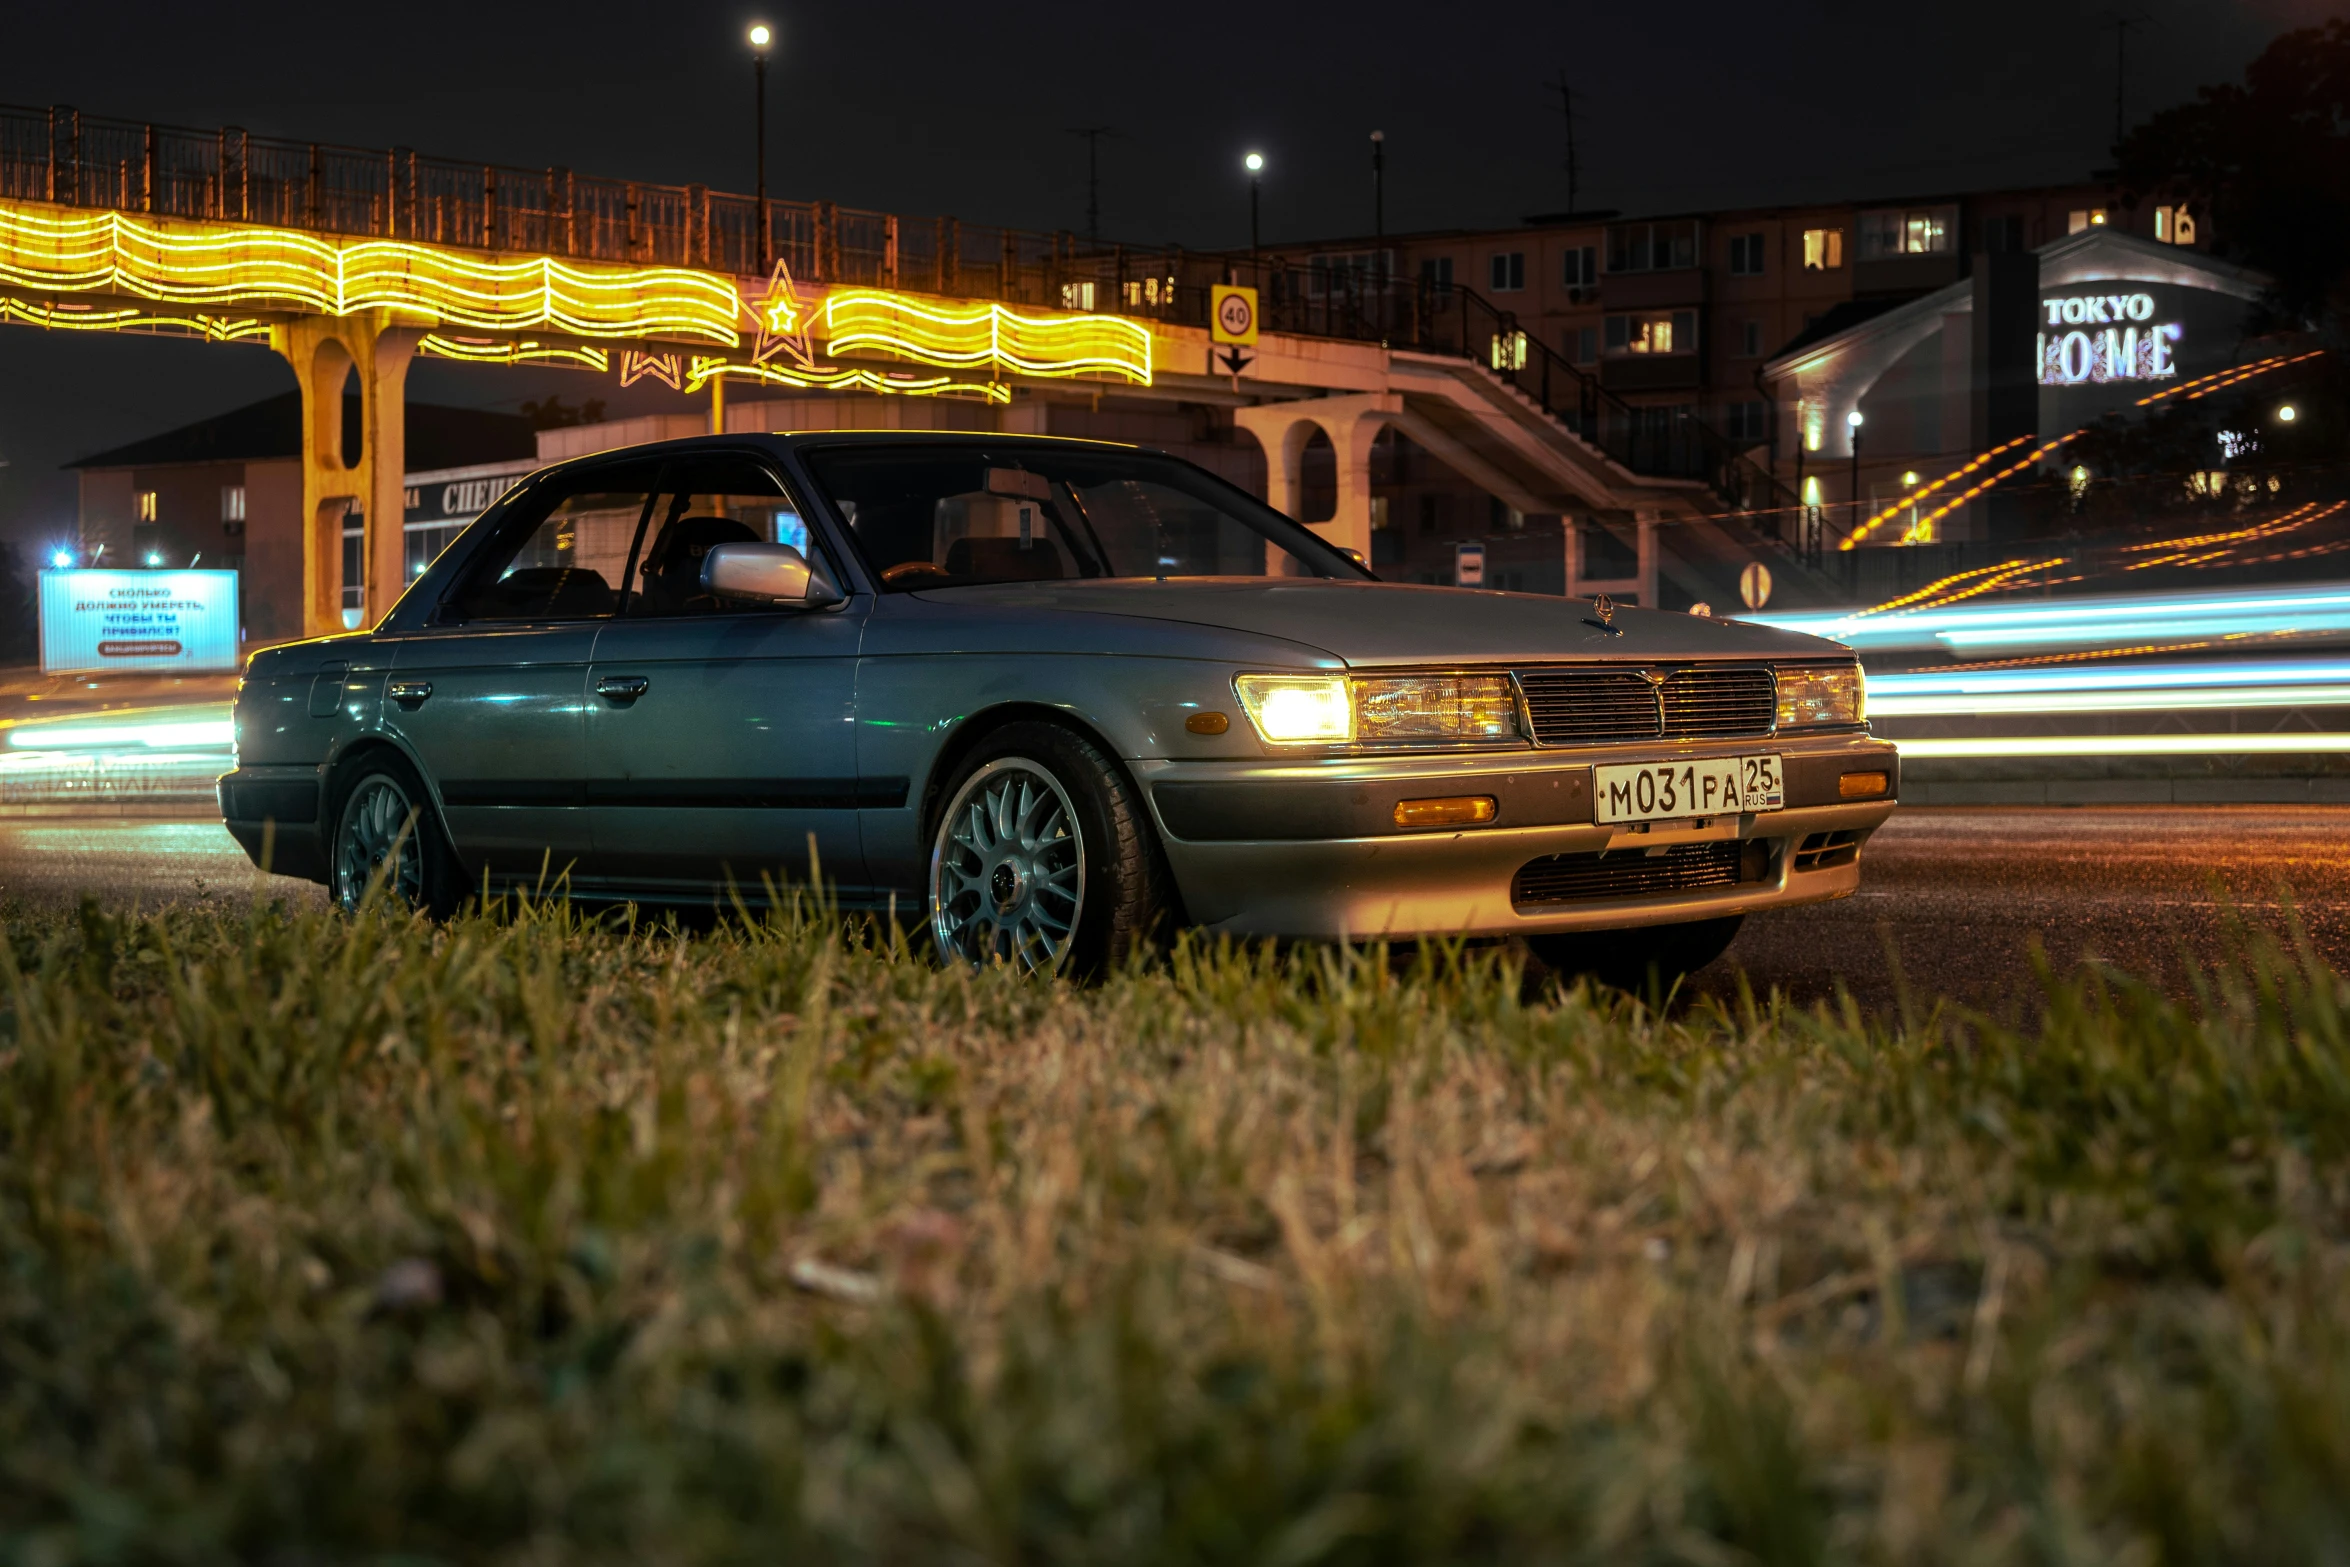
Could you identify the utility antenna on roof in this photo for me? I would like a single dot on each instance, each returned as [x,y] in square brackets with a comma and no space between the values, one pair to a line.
[1093,135]
[1567,113]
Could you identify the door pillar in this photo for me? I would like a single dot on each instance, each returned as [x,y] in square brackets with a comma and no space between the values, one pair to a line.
[326,352]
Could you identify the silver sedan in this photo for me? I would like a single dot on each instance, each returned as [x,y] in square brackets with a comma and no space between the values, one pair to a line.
[1054,697]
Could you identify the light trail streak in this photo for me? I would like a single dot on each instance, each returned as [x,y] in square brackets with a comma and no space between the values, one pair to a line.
[207,727]
[2102,620]
[2124,745]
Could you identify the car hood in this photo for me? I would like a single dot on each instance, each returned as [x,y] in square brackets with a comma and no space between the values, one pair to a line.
[1369,624]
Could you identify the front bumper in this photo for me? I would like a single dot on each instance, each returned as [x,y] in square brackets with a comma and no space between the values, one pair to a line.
[1309,848]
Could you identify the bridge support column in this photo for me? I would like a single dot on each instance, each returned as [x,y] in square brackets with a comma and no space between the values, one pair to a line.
[1353,424]
[325,353]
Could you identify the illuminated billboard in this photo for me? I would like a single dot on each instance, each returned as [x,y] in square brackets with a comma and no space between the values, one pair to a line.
[134,620]
[2106,337]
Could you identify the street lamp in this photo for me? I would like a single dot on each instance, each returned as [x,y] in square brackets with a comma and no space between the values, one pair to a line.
[1852,423]
[1255,164]
[2287,414]
[761,36]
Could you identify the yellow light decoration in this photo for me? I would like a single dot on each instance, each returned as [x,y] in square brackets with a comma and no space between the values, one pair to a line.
[77,318]
[278,269]
[844,378]
[483,351]
[957,336]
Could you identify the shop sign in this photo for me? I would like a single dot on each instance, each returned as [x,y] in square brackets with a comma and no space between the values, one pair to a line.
[2095,338]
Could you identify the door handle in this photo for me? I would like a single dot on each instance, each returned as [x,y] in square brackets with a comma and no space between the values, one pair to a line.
[623,688]
[411,693]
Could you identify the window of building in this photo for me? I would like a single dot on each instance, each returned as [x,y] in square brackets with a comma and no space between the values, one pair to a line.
[1653,332]
[1355,274]
[1823,250]
[1582,266]
[1149,291]
[1746,255]
[1581,344]
[1077,295]
[2004,233]
[147,506]
[1436,273]
[1508,271]
[1652,247]
[2084,218]
[232,503]
[354,601]
[1508,351]
[1914,231]
[1750,339]
[2174,225]
[1746,423]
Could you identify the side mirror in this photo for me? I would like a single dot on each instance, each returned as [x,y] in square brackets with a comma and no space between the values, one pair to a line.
[766,574]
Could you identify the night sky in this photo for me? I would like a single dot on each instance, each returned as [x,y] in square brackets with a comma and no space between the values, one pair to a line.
[925,108]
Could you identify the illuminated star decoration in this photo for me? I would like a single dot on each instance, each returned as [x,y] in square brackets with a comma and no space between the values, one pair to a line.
[782,327]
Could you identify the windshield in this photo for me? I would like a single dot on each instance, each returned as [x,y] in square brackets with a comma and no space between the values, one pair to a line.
[951,516]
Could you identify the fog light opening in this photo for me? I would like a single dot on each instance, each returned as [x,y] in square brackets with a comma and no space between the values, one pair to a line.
[1864,786]
[1462,810]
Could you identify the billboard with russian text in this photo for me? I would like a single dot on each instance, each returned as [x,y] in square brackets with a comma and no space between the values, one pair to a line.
[129,620]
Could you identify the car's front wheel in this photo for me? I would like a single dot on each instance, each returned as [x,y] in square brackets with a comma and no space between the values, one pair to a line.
[1042,857]
[386,832]
[1648,961]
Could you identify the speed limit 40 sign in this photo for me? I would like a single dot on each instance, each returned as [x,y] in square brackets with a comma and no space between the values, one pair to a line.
[1233,312]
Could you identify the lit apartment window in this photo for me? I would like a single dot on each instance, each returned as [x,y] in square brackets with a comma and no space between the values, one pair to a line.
[1652,247]
[1149,291]
[232,503]
[2084,218]
[1916,232]
[1582,266]
[1823,250]
[1436,273]
[1750,339]
[1654,332]
[354,603]
[2174,225]
[1077,296]
[1509,271]
[146,506]
[1746,255]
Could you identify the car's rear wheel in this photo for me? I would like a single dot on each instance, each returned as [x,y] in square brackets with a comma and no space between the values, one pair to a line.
[1042,857]
[1648,961]
[386,832]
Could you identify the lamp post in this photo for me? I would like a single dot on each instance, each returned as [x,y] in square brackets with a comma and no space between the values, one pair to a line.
[1379,219]
[761,37]
[1255,164]
[1852,423]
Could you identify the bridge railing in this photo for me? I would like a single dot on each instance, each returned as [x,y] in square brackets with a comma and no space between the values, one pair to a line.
[63,156]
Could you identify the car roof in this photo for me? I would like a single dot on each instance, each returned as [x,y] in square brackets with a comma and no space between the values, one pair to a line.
[802,439]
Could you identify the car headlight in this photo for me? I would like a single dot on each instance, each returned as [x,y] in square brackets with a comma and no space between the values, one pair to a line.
[1813,696]
[1380,709]
[1289,708]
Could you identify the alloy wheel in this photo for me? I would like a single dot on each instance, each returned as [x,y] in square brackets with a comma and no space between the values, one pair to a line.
[1007,874]
[380,831]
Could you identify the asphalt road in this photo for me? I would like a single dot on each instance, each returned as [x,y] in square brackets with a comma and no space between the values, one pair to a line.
[1953,899]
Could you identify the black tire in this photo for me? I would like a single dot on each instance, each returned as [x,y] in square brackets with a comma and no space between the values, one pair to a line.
[384,808]
[1648,961]
[1078,902]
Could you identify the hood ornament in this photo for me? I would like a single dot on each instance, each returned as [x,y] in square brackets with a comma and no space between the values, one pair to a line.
[1605,608]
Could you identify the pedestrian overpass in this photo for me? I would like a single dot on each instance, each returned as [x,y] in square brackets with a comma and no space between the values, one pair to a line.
[352,263]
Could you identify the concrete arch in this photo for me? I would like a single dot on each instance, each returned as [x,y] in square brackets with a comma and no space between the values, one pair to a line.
[325,352]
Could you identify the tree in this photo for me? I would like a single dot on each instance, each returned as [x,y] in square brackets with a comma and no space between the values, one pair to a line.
[2267,164]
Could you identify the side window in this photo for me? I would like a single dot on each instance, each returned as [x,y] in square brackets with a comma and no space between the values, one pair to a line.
[565,550]
[710,499]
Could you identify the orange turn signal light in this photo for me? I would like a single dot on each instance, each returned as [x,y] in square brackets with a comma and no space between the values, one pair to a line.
[1460,810]
[1864,786]
[1207,723]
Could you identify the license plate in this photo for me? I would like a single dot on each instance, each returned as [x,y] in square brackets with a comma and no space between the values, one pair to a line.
[1665,791]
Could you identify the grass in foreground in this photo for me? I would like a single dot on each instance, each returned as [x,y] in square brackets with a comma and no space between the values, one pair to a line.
[329,1240]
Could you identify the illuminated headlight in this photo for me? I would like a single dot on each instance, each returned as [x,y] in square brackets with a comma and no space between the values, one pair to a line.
[1289,708]
[1426,709]
[1813,696]
[1380,709]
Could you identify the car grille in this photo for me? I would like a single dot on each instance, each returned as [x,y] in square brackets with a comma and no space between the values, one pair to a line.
[1600,704]
[1635,873]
